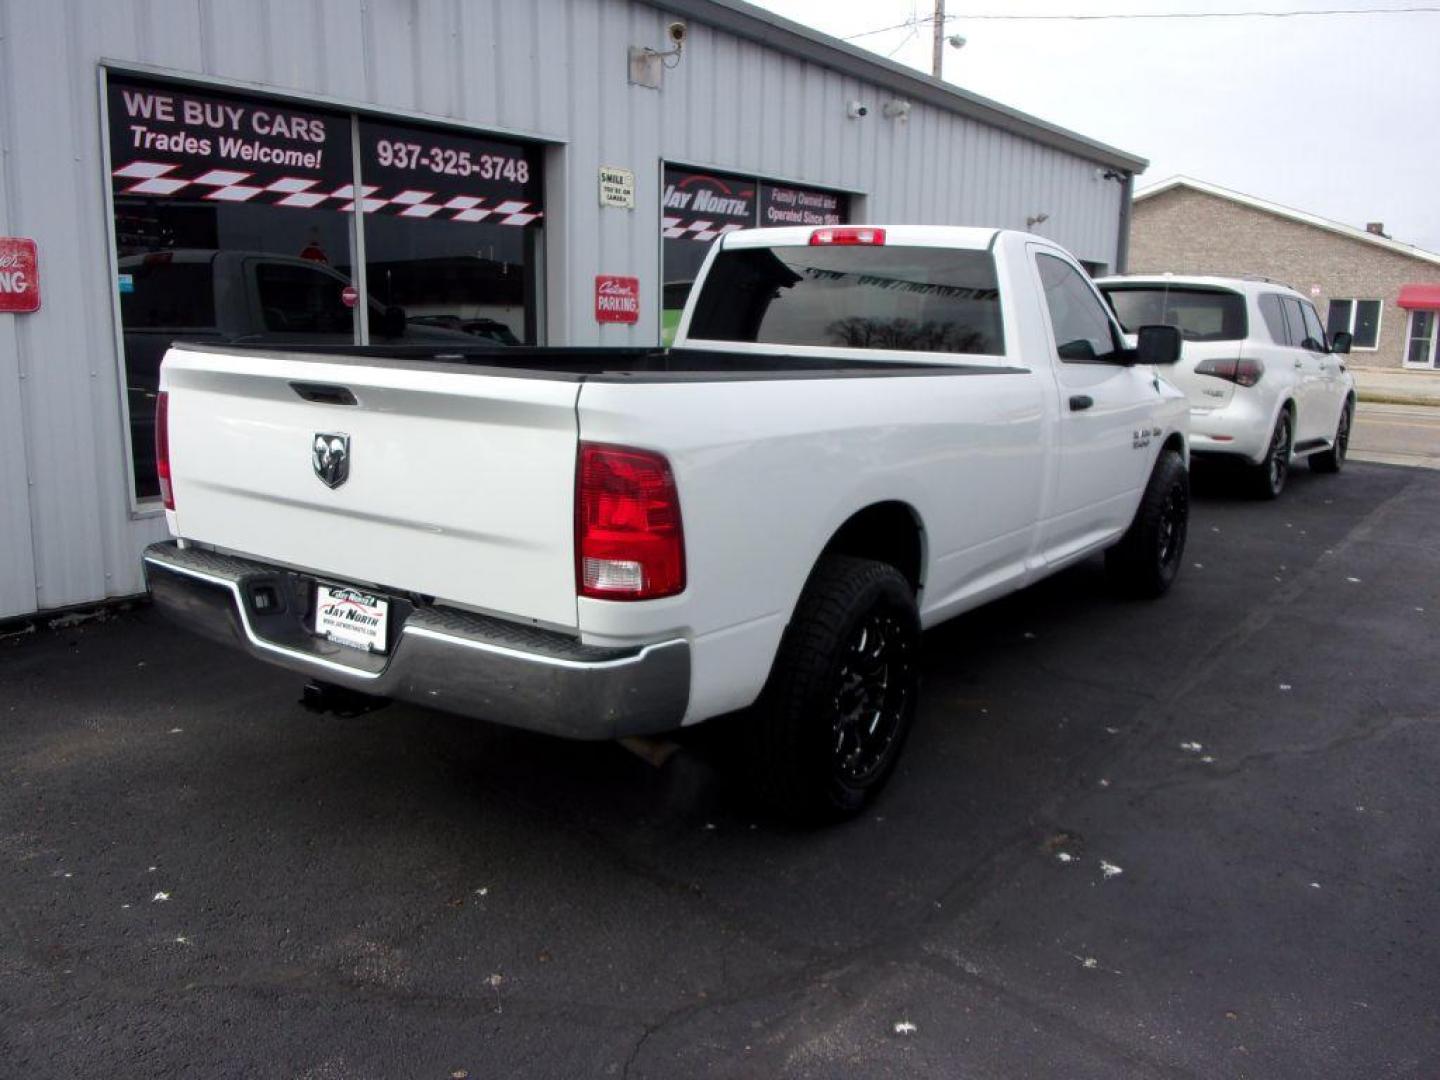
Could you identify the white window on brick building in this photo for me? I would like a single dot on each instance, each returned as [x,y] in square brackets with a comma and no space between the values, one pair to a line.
[1420,340]
[1358,318]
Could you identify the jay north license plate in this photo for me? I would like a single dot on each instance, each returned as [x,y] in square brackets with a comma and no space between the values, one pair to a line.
[350,617]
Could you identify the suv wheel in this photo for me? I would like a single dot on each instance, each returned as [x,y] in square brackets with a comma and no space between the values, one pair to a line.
[1333,460]
[1268,478]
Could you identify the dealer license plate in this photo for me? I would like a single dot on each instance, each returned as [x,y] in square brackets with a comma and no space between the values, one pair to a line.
[350,617]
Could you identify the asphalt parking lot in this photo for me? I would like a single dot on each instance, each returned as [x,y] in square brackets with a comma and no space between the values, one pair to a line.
[1189,838]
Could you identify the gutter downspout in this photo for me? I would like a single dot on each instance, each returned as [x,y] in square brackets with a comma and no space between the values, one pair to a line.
[1122,244]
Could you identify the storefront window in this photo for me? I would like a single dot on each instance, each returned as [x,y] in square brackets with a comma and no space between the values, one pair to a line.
[450,234]
[697,207]
[235,221]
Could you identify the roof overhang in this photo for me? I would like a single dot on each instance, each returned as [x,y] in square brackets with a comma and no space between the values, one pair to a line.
[1420,297]
[1301,216]
[756,24]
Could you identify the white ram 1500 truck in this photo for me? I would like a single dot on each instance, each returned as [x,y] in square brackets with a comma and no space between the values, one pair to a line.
[861,432]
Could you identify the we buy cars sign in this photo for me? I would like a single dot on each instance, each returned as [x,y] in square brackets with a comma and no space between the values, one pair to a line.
[19,275]
[617,299]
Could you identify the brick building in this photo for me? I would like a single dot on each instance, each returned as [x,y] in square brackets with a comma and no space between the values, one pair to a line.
[1385,292]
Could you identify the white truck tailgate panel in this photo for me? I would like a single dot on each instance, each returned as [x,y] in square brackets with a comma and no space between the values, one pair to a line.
[461,484]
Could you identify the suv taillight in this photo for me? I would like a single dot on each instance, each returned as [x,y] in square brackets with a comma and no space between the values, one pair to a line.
[628,541]
[162,448]
[1241,372]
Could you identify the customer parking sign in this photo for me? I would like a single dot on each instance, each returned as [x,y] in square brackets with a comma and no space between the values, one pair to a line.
[19,275]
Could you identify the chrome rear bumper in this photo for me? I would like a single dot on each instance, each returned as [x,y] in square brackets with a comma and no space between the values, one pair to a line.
[445,658]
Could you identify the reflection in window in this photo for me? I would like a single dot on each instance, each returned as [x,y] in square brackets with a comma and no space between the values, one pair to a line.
[299,299]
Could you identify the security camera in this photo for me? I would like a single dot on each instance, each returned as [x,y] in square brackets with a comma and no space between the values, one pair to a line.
[855,110]
[676,32]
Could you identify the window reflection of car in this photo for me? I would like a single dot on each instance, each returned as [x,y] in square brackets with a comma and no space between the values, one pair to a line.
[492,330]
[200,294]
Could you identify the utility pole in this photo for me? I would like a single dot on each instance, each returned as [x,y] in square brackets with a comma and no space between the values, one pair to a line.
[938,57]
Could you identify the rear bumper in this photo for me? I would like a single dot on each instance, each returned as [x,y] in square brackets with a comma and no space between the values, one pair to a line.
[1239,429]
[448,659]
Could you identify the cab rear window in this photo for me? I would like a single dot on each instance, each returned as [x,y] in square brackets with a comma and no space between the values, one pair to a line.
[857,297]
[1200,314]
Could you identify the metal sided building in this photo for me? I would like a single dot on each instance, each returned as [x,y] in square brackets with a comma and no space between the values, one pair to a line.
[501,171]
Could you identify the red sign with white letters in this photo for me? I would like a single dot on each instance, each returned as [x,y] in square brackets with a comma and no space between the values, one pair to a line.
[617,299]
[20,275]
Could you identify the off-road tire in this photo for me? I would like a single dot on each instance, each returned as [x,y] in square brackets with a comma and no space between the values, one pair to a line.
[1145,562]
[795,732]
[1333,460]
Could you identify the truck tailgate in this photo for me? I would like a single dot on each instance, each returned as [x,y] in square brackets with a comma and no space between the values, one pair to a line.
[460,483]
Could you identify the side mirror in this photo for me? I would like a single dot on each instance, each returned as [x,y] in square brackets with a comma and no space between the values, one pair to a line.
[1158,345]
[1079,350]
[1340,341]
[392,322]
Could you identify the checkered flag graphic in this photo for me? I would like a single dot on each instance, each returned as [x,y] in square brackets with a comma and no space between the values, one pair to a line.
[674,228]
[229,185]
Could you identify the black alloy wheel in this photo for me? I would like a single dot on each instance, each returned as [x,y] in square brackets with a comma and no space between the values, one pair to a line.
[1333,460]
[873,685]
[1146,560]
[1270,475]
[1172,526]
[826,733]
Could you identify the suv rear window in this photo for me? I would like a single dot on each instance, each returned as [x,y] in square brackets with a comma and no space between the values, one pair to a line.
[913,298]
[1200,314]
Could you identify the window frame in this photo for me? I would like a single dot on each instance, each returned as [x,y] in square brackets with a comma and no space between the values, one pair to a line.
[1433,338]
[1349,328]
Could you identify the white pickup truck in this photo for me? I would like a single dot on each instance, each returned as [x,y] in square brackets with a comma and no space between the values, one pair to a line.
[861,432]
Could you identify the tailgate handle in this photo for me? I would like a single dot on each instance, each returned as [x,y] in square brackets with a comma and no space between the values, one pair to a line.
[1080,401]
[324,393]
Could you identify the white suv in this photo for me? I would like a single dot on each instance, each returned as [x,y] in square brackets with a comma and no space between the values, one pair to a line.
[1265,385]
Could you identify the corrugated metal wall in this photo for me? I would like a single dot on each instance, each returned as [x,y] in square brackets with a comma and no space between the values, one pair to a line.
[552,68]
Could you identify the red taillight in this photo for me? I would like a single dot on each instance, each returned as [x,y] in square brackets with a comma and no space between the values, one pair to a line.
[848,235]
[1242,372]
[162,448]
[628,541]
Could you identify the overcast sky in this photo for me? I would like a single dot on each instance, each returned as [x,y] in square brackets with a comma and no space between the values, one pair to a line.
[1333,114]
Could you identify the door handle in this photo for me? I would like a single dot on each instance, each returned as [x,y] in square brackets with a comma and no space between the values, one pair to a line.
[1080,401]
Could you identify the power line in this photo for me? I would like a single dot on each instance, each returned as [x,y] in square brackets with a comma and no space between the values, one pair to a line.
[911,23]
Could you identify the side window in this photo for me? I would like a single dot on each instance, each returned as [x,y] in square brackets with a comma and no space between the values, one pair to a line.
[295,299]
[1314,336]
[1294,321]
[1274,318]
[1083,330]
